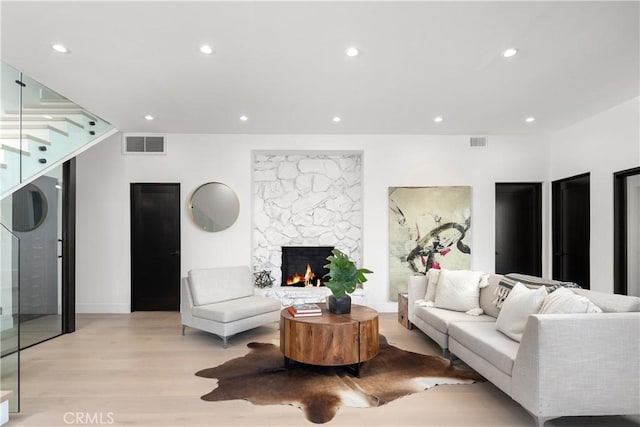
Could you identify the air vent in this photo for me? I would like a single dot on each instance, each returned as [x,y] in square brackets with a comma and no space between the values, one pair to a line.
[478,142]
[143,144]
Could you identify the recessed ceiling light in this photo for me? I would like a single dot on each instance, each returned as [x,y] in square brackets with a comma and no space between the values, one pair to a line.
[149,117]
[438,119]
[60,48]
[508,53]
[530,119]
[206,49]
[352,51]
[244,118]
[336,119]
[48,117]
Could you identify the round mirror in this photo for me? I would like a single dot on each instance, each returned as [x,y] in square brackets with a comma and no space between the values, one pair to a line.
[214,206]
[29,208]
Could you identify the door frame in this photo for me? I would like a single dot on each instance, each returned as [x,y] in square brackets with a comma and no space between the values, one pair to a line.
[620,229]
[69,246]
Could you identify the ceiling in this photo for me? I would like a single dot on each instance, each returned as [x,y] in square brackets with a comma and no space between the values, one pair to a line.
[283,64]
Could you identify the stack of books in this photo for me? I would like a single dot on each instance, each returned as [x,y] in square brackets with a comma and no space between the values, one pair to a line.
[304,310]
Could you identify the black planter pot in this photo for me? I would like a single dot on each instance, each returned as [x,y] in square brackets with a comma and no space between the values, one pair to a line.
[340,305]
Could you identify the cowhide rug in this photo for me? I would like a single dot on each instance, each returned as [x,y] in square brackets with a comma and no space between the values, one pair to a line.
[260,378]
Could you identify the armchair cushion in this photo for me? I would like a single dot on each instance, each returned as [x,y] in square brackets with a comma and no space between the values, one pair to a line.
[212,285]
[236,309]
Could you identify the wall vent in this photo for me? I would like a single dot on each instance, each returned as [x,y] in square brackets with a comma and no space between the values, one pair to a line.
[478,142]
[138,143]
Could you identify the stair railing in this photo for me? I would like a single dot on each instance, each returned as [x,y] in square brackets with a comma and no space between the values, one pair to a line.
[39,129]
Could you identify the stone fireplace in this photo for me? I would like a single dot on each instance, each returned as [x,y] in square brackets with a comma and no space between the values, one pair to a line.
[305,199]
[303,266]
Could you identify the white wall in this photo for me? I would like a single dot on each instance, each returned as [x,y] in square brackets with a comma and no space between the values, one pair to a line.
[103,254]
[603,144]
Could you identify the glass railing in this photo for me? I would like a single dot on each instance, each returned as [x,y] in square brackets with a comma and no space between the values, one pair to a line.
[9,316]
[39,128]
[11,152]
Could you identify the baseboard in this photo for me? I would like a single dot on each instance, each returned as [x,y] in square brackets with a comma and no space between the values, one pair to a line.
[87,308]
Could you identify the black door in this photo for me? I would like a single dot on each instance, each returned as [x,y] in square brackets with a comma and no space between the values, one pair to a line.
[571,233]
[519,228]
[155,247]
[626,232]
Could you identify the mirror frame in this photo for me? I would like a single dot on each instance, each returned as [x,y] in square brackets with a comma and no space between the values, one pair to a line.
[220,226]
[32,188]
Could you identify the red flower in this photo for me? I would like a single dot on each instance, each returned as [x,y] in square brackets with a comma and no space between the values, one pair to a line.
[445,251]
[436,265]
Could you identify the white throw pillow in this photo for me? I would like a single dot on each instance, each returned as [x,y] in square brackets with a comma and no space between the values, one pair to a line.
[520,303]
[432,282]
[564,300]
[458,290]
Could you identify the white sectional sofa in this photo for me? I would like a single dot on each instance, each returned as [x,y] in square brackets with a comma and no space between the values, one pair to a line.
[222,301]
[564,365]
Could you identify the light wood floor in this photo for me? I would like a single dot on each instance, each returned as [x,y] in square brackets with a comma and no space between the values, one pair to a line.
[138,370]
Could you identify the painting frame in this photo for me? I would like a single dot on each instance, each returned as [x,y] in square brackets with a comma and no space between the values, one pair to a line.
[429,227]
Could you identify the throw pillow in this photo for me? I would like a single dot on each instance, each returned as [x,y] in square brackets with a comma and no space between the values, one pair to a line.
[458,290]
[432,282]
[520,303]
[565,301]
[509,280]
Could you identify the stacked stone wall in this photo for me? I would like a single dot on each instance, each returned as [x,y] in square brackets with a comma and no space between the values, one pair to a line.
[305,200]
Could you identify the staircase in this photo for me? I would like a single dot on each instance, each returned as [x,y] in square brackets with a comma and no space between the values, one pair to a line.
[39,129]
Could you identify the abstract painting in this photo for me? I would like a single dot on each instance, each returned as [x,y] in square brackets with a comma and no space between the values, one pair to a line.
[428,227]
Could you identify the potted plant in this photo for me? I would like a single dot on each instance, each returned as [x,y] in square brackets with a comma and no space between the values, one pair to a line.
[344,277]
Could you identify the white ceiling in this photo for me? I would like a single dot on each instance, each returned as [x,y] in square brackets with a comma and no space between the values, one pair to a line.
[283,64]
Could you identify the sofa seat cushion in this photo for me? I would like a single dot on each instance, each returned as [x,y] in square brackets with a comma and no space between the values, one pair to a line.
[236,309]
[440,318]
[483,339]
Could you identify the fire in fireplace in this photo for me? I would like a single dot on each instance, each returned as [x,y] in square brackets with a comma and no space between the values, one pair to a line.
[304,265]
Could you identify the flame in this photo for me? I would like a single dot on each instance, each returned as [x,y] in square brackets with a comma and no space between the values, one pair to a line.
[308,275]
[297,278]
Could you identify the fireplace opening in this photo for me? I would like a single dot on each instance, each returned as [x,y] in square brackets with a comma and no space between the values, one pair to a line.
[303,266]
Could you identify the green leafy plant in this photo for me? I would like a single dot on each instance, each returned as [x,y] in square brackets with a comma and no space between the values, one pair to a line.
[343,274]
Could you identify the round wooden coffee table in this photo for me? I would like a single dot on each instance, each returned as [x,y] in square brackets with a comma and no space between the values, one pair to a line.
[330,339]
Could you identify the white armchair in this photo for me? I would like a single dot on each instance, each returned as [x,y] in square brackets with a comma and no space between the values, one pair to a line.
[222,301]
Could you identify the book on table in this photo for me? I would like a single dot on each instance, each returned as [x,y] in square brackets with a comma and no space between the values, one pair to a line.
[306,308]
[294,313]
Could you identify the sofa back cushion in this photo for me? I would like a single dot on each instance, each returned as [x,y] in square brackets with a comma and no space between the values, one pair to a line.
[211,285]
[488,297]
[610,303]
